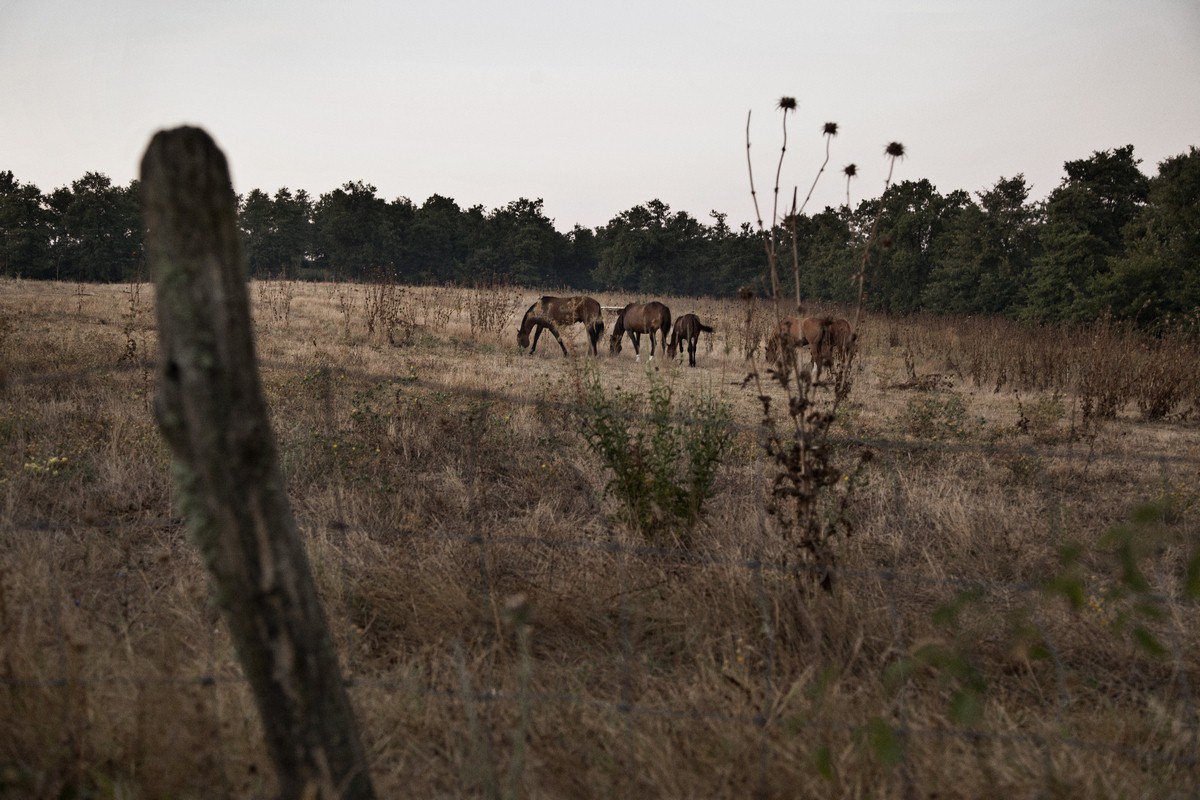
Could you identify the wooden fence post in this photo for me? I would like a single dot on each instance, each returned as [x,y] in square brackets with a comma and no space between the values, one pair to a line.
[211,411]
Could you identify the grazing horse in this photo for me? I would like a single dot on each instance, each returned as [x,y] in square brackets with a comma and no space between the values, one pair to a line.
[842,338]
[549,311]
[636,319]
[687,329]
[816,333]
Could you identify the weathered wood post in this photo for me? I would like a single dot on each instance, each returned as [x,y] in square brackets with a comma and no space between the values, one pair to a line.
[211,411]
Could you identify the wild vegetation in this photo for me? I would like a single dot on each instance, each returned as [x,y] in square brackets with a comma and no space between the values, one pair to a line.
[1013,609]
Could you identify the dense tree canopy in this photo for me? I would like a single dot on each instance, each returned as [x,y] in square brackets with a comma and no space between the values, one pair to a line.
[986,251]
[1155,273]
[1108,239]
[1084,229]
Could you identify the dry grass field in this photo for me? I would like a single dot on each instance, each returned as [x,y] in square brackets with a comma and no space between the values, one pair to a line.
[1010,614]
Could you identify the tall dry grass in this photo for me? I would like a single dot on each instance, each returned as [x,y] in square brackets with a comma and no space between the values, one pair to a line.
[506,635]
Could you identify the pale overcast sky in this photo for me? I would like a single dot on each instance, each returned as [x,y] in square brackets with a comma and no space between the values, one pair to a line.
[600,106]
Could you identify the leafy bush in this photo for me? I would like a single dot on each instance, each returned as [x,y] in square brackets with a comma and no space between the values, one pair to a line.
[663,462]
[936,416]
[1042,418]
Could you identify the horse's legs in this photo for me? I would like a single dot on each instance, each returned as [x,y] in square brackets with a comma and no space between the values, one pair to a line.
[692,350]
[554,331]
[636,338]
[537,333]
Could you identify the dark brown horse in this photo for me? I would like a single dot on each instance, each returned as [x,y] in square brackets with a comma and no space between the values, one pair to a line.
[815,333]
[687,329]
[636,319]
[549,311]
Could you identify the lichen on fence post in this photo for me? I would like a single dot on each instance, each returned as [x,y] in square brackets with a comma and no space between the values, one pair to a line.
[211,411]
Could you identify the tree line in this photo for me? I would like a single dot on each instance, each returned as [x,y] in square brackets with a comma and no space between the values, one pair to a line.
[1108,240]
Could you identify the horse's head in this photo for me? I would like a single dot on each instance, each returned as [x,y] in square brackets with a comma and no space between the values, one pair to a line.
[672,348]
[614,343]
[523,339]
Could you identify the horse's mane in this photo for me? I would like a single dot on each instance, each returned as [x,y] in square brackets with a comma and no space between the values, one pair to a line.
[528,321]
[619,326]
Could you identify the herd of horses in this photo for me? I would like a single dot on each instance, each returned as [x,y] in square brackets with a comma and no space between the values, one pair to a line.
[826,338]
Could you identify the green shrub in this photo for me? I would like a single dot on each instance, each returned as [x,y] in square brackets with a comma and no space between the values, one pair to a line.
[663,459]
[936,416]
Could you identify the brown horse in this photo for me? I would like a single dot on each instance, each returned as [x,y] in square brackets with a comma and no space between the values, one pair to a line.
[549,311]
[842,339]
[636,319]
[816,333]
[687,329]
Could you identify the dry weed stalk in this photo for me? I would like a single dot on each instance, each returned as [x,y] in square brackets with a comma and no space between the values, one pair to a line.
[1169,375]
[129,323]
[388,309]
[755,327]
[347,300]
[491,302]
[275,298]
[133,328]
[850,171]
[439,306]
[6,336]
[1106,366]
[810,515]
[792,223]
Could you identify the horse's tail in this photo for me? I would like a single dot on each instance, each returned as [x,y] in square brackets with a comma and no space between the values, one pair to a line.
[706,328]
[666,325]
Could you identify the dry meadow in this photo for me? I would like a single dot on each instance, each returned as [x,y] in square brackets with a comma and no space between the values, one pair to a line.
[1010,612]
